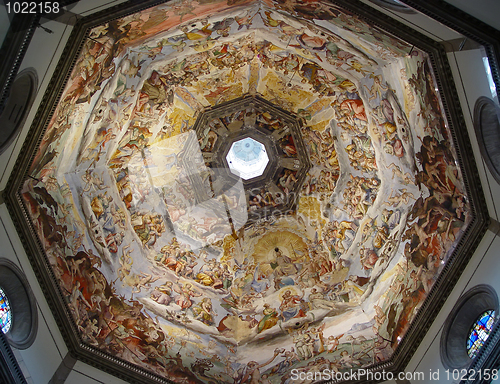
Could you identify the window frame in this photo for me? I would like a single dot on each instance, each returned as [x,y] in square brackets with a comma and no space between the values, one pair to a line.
[488,135]
[469,307]
[23,307]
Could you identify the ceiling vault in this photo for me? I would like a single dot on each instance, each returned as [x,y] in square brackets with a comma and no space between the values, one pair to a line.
[247,190]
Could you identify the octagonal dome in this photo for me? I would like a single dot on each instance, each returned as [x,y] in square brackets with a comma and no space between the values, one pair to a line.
[164,267]
[247,158]
[275,189]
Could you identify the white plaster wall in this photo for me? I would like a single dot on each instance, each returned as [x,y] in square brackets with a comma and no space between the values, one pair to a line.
[471,81]
[86,374]
[420,23]
[42,55]
[485,10]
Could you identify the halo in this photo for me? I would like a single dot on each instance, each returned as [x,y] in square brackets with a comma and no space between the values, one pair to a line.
[291,288]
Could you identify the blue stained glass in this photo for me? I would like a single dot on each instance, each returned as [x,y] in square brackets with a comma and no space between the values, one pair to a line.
[5,313]
[479,332]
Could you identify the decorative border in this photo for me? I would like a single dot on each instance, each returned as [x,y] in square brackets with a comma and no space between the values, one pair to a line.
[441,289]
[393,5]
[22,305]
[274,166]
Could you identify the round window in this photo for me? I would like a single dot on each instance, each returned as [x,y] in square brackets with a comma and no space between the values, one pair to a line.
[17,106]
[468,326]
[18,312]
[5,312]
[479,332]
[487,126]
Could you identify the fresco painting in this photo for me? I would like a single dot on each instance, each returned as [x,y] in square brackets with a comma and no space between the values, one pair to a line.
[190,290]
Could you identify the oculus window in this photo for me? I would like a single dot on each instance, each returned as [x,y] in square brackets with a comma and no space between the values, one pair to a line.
[17,107]
[18,313]
[468,326]
[5,312]
[487,126]
[480,332]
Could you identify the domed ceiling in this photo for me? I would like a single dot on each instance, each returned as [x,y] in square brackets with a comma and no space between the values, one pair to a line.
[349,203]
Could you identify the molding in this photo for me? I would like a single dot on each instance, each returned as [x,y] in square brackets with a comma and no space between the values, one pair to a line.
[10,372]
[393,6]
[459,45]
[14,283]
[404,381]
[476,229]
[13,49]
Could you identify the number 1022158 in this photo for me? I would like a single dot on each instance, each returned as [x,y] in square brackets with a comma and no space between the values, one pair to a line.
[24,7]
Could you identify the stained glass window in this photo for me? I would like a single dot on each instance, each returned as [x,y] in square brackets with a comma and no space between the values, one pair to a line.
[5,312]
[479,332]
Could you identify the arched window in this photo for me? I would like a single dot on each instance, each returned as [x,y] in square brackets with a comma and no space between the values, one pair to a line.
[5,312]
[479,332]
